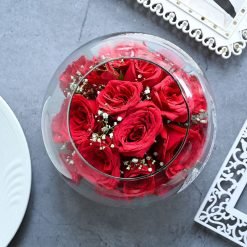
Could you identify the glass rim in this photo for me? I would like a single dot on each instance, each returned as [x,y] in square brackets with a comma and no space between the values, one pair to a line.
[181,146]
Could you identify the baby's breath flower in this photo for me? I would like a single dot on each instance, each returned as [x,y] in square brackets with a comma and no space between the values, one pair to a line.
[105,115]
[119,119]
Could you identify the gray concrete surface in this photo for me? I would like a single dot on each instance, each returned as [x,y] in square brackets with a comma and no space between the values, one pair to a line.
[35,36]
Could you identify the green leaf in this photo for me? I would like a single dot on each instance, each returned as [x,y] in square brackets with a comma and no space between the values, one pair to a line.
[121,76]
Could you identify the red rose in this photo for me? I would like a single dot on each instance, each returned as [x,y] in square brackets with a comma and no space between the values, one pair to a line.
[125,52]
[59,124]
[168,97]
[119,96]
[100,75]
[145,72]
[139,187]
[137,132]
[168,142]
[197,101]
[106,160]
[81,118]
[119,52]
[120,65]
[198,96]
[194,144]
[82,65]
[173,137]
[65,78]
[190,153]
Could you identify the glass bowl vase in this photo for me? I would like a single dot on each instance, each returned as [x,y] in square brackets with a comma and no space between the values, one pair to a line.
[98,165]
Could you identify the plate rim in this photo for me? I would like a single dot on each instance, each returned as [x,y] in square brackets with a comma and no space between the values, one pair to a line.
[5,108]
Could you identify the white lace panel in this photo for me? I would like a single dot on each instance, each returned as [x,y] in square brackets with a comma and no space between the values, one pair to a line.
[218,211]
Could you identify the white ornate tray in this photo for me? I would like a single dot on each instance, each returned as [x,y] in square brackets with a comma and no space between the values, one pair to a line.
[218,211]
[221,25]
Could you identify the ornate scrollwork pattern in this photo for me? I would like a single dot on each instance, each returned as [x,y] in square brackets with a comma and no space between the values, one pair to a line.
[215,212]
[224,46]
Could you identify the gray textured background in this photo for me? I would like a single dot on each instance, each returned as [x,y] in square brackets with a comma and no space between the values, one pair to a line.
[35,36]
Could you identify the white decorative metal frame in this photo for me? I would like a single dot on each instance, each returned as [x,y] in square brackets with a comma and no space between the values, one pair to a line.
[218,211]
[206,22]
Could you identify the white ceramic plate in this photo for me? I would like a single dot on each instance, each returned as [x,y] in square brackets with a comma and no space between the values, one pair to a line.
[15,174]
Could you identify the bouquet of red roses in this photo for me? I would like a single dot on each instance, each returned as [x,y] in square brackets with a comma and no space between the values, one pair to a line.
[133,128]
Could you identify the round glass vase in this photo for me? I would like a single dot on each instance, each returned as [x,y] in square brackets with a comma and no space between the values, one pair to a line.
[141,190]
